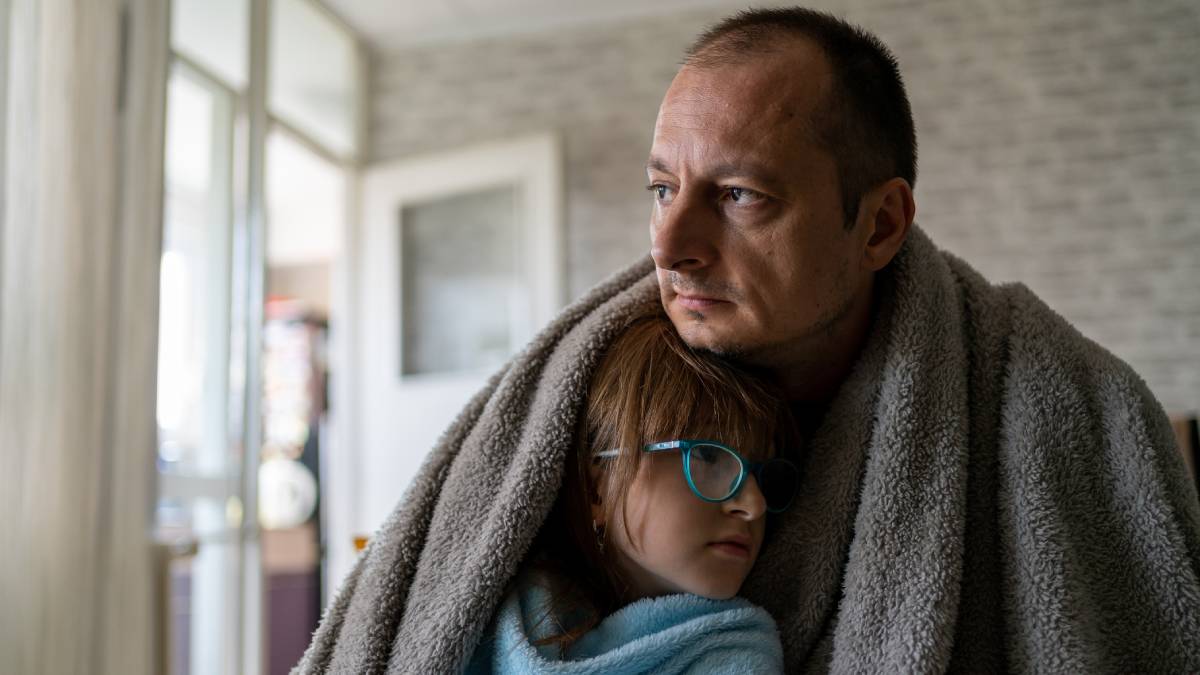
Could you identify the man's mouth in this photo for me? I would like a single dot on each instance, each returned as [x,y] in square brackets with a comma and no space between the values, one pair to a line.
[698,302]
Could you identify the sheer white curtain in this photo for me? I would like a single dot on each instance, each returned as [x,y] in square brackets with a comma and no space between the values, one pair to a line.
[80,245]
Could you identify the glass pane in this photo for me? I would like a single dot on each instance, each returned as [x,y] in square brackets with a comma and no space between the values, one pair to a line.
[212,33]
[461,292]
[194,290]
[306,203]
[198,505]
[313,69]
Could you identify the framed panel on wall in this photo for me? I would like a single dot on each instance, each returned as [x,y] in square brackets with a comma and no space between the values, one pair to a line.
[464,303]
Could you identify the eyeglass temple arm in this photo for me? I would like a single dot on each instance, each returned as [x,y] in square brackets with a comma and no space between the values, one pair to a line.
[665,445]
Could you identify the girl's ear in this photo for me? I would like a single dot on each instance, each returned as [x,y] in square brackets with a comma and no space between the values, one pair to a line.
[597,505]
[594,479]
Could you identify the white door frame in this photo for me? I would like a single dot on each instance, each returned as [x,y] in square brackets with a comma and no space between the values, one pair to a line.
[368,475]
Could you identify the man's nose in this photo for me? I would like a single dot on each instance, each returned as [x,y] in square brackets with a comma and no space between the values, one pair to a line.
[684,235]
[749,503]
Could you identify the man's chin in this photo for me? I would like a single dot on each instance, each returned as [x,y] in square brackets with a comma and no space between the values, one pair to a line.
[705,337]
[708,337]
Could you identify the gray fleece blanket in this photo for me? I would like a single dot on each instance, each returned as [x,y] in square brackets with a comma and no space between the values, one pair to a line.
[988,491]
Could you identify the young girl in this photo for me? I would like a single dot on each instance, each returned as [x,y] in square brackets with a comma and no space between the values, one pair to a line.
[660,517]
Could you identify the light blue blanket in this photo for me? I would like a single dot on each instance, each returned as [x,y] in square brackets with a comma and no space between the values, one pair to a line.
[671,634]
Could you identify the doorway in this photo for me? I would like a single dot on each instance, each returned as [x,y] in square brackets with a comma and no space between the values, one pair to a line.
[458,264]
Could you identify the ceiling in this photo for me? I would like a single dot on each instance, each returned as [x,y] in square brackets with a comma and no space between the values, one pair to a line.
[390,24]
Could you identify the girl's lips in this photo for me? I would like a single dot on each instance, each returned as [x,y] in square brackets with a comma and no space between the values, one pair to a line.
[731,548]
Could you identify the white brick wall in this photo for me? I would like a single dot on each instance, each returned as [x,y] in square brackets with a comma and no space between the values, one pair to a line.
[1060,145]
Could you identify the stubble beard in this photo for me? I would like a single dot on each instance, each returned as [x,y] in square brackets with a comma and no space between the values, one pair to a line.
[786,350]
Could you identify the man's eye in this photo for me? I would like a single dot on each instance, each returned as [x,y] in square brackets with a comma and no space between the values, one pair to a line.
[743,195]
[660,192]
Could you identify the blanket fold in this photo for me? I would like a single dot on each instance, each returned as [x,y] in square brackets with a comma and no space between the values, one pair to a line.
[988,491]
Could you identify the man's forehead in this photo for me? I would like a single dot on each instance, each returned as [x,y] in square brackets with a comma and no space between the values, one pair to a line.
[795,76]
[753,104]
[701,104]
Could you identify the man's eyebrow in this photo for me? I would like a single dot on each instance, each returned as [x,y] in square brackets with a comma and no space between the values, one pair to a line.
[749,170]
[760,174]
[756,172]
[656,164]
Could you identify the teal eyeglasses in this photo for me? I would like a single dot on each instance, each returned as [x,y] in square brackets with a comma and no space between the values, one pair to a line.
[715,472]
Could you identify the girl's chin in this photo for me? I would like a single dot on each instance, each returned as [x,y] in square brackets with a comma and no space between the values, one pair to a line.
[722,594]
[719,591]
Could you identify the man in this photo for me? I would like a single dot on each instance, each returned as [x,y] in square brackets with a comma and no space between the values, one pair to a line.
[984,489]
[779,191]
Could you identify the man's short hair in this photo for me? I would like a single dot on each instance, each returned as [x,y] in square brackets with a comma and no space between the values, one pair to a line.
[867,123]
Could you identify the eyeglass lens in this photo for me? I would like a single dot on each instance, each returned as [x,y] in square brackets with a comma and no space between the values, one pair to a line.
[778,481]
[714,471]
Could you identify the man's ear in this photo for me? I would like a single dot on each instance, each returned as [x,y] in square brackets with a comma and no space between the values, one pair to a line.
[886,214]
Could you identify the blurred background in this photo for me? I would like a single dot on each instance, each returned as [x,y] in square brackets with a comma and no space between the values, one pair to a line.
[256,254]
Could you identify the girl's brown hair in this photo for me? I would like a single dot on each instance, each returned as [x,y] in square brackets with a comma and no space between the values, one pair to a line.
[649,386]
